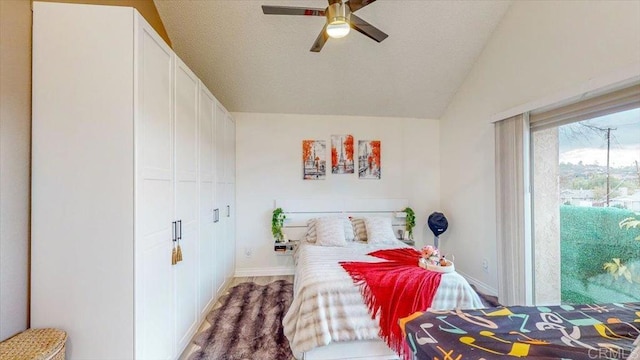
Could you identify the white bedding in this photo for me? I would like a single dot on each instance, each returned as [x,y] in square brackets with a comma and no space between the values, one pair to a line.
[327,305]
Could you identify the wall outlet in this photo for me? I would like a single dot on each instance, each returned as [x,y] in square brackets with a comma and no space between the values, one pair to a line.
[485,265]
[248,251]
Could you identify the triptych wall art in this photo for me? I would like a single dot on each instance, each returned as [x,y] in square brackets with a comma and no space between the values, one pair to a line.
[343,159]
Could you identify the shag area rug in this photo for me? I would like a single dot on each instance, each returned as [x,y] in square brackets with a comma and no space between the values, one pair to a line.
[248,325]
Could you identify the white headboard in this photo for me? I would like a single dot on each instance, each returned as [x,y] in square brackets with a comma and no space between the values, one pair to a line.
[298,211]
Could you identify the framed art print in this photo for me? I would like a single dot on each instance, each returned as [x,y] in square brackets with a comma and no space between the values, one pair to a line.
[342,154]
[314,159]
[369,166]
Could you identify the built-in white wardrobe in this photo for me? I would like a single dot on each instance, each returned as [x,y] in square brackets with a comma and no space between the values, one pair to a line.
[133,158]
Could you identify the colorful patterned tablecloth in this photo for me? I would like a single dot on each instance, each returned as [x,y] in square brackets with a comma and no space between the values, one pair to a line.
[605,331]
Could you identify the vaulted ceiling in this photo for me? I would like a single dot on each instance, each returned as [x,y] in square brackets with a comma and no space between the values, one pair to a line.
[261,63]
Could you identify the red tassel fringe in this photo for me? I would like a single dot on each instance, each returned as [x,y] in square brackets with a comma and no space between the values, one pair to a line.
[395,289]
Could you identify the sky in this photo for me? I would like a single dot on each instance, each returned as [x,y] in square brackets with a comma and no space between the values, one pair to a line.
[579,143]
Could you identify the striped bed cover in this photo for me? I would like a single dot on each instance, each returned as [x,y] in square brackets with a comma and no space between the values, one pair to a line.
[328,307]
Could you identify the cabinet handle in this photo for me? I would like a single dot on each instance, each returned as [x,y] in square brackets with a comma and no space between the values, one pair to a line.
[216,215]
[228,210]
[174,251]
[180,233]
[174,232]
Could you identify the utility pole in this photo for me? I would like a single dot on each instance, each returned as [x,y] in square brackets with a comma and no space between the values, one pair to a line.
[608,149]
[608,130]
[607,135]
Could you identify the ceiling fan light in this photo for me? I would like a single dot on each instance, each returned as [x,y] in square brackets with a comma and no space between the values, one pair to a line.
[338,20]
[338,29]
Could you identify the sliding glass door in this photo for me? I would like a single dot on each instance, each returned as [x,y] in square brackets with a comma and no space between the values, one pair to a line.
[586,208]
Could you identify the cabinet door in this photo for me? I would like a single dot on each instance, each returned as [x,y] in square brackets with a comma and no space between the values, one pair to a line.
[226,243]
[231,230]
[221,144]
[186,202]
[220,200]
[154,195]
[230,171]
[230,149]
[220,239]
[207,184]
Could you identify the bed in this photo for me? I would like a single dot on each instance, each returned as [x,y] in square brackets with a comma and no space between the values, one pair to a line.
[604,331]
[328,313]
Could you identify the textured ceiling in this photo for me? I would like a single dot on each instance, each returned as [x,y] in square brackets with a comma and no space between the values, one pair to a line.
[261,63]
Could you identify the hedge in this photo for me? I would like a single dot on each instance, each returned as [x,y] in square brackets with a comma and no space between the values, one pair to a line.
[591,236]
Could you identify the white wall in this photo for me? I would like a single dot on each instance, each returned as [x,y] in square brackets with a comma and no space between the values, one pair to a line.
[269,167]
[15,132]
[540,48]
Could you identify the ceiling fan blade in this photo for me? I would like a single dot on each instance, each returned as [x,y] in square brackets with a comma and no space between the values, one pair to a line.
[291,10]
[367,29]
[355,5]
[320,40]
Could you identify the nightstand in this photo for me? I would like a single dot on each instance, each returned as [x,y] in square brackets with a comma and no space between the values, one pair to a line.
[284,248]
[408,242]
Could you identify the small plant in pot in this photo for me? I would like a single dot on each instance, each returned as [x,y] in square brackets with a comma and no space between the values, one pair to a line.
[277,221]
[410,221]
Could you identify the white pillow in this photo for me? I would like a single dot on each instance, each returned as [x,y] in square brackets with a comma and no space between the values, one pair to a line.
[349,234]
[330,232]
[311,235]
[379,230]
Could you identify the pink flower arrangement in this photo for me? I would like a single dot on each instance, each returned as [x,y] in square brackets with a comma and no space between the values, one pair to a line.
[432,259]
[431,255]
[430,251]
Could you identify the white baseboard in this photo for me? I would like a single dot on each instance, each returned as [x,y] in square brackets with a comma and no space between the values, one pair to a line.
[482,287]
[270,271]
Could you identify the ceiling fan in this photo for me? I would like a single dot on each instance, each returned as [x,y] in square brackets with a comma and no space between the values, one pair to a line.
[340,19]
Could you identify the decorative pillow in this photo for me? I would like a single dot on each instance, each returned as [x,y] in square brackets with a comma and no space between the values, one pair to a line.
[379,230]
[311,229]
[311,235]
[359,229]
[330,232]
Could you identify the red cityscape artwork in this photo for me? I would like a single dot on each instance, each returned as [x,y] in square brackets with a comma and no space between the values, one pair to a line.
[369,166]
[314,159]
[342,154]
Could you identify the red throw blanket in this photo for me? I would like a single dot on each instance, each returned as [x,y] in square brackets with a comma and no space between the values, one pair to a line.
[395,289]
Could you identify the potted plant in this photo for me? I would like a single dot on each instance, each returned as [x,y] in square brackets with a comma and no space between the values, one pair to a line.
[277,220]
[410,221]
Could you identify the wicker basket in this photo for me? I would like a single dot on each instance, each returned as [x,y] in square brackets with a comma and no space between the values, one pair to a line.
[35,344]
